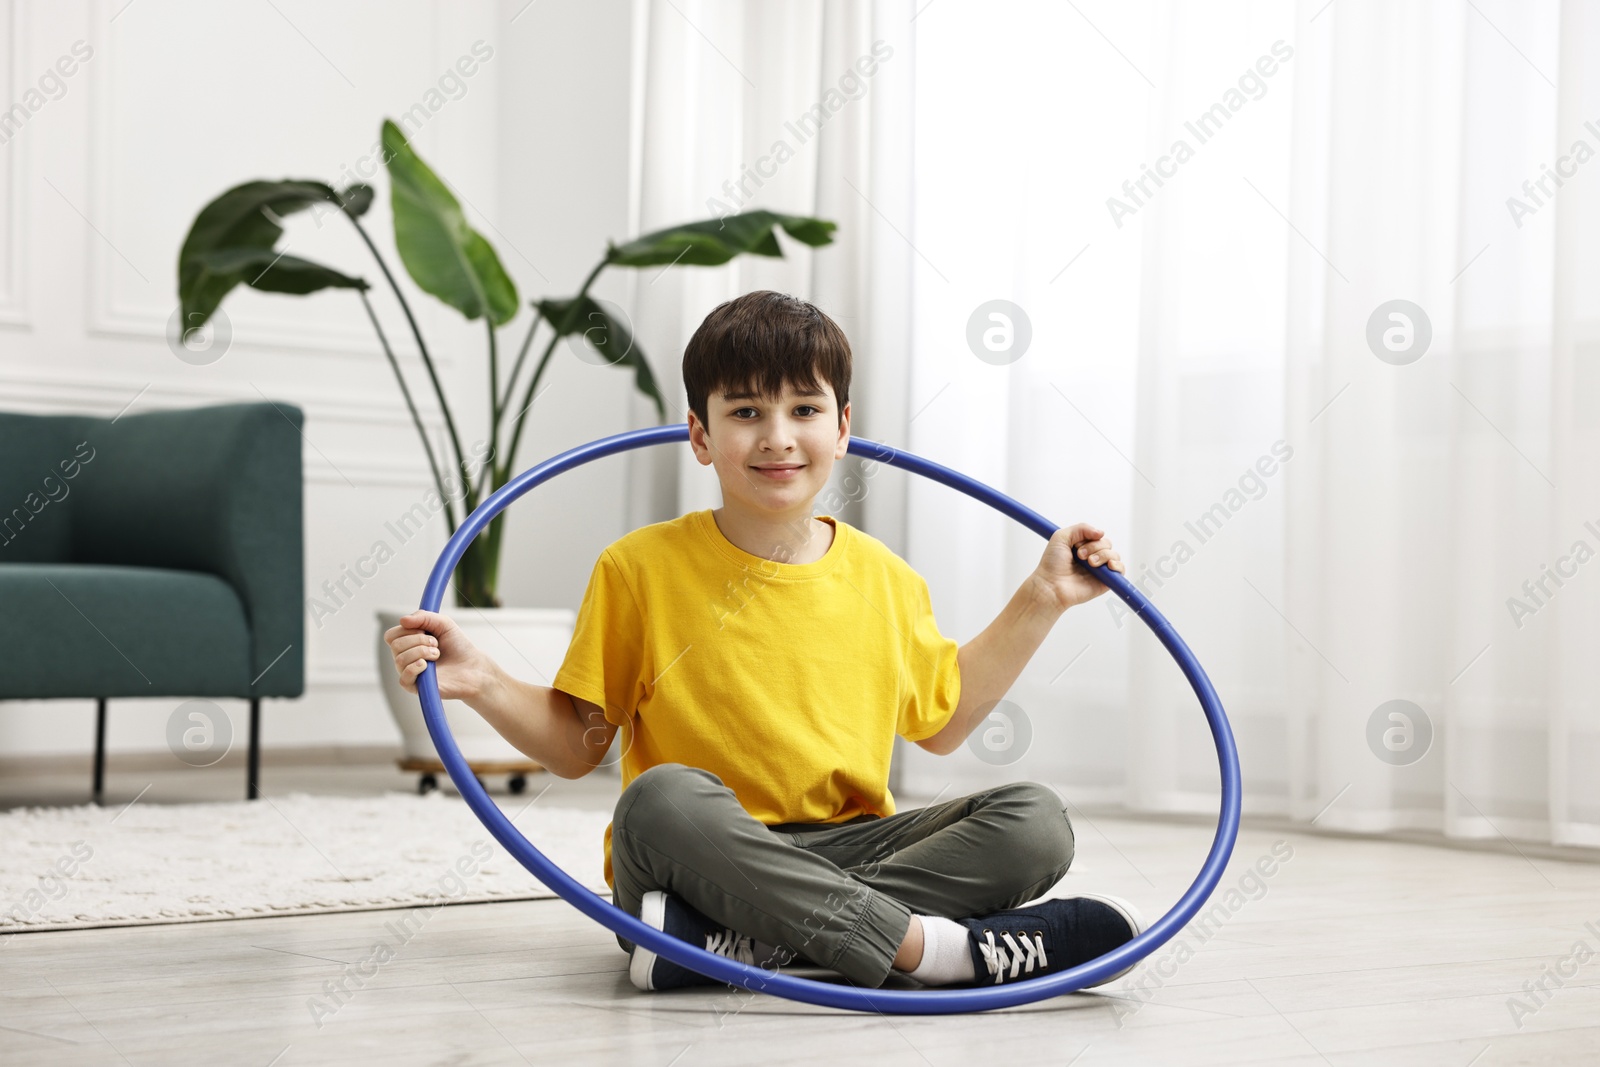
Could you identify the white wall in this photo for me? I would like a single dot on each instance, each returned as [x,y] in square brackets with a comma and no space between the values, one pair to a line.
[181,100]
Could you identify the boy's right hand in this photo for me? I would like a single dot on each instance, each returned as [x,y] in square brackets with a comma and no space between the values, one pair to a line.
[425,637]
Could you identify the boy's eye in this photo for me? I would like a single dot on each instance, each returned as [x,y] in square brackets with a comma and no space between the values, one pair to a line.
[803,408]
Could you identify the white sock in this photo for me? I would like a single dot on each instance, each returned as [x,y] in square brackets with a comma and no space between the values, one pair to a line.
[946,952]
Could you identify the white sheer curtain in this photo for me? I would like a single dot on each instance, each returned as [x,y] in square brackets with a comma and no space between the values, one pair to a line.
[801,108]
[1334,524]
[1330,530]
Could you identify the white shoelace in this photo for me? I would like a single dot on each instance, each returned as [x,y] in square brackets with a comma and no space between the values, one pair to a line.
[1018,958]
[734,945]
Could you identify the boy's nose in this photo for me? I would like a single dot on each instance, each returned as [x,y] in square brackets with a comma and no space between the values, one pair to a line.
[780,438]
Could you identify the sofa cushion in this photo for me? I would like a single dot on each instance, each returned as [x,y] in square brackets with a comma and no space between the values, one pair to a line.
[40,463]
[85,629]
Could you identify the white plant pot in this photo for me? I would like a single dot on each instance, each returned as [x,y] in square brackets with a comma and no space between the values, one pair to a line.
[529,643]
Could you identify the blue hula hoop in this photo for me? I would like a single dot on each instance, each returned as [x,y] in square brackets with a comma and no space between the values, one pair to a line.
[827,994]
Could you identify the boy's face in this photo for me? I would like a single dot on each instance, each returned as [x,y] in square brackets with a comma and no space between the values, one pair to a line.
[772,455]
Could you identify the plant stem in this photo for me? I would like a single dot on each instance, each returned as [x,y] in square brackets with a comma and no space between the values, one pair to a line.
[449,420]
[405,391]
[494,380]
[522,354]
[503,472]
[489,468]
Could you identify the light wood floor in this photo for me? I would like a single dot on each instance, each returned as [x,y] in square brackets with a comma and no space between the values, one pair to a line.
[1353,951]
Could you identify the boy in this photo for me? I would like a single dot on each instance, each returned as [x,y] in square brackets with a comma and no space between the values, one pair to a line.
[760,661]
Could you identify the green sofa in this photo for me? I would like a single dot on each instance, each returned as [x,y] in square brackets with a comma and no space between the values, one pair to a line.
[153,555]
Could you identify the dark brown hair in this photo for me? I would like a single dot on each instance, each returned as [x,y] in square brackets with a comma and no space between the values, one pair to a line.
[760,341]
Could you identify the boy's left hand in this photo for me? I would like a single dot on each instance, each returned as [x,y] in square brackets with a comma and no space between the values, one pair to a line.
[1084,545]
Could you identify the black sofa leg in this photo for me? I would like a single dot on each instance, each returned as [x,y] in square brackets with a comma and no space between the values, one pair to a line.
[254,790]
[99,748]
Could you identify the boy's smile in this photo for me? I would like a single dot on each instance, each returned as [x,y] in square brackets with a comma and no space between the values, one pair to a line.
[772,456]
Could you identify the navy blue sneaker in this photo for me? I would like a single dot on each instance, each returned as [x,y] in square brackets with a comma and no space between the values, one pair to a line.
[1050,936]
[667,913]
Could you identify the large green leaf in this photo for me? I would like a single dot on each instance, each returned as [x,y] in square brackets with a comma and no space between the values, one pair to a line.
[610,336]
[228,237]
[716,241]
[442,253]
[356,200]
[275,272]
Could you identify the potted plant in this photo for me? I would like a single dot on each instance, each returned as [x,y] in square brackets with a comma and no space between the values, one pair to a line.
[233,241]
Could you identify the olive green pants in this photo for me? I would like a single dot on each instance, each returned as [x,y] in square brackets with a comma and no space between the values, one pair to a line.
[839,895]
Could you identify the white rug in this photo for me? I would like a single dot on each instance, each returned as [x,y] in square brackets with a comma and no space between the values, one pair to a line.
[298,854]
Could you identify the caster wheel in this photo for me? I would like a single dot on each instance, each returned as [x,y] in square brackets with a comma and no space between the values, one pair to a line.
[518,784]
[427,784]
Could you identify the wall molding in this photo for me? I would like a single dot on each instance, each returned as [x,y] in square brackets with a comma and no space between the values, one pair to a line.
[343,674]
[67,392]
[14,297]
[161,760]
[105,318]
[31,392]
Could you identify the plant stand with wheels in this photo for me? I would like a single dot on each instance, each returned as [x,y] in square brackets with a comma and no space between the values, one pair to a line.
[430,769]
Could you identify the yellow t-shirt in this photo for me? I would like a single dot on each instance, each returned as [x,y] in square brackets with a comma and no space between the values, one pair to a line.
[787,681]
